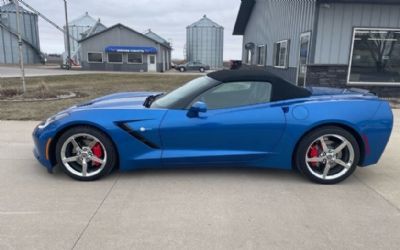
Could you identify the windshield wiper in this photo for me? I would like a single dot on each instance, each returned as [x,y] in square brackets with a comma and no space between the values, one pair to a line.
[150,99]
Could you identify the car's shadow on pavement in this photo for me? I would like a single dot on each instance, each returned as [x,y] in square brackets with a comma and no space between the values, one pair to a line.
[213,171]
[203,173]
[195,172]
[273,176]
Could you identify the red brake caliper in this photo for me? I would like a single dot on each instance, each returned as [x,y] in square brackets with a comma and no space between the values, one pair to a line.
[314,152]
[98,152]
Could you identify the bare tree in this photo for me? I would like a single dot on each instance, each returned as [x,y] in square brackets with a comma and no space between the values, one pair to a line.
[381,46]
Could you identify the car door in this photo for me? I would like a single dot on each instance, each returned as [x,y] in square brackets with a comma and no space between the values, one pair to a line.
[196,66]
[239,126]
[190,66]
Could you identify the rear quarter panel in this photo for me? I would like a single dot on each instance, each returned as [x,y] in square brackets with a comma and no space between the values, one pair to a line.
[370,118]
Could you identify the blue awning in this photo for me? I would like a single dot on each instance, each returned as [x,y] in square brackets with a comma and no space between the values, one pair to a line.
[131,49]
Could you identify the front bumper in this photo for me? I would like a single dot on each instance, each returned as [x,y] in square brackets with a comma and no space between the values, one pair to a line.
[42,139]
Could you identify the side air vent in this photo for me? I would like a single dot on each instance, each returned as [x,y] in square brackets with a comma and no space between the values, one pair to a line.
[138,136]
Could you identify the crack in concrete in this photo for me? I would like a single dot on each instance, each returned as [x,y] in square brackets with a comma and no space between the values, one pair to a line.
[378,193]
[95,212]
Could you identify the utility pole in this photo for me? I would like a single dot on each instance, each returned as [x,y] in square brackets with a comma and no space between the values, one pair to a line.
[21,55]
[67,32]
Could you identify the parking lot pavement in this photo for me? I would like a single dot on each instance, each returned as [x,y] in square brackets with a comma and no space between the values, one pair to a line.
[35,71]
[193,208]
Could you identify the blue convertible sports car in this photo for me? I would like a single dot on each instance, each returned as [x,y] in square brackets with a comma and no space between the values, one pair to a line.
[244,118]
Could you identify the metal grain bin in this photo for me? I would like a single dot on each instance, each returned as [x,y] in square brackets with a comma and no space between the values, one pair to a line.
[205,43]
[80,28]
[9,37]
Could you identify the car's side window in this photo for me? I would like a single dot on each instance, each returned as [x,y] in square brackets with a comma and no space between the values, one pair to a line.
[234,86]
[236,94]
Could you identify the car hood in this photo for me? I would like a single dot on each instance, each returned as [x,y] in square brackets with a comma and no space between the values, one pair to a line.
[126,100]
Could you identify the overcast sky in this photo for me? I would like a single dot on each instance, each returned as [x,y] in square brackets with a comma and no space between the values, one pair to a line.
[168,18]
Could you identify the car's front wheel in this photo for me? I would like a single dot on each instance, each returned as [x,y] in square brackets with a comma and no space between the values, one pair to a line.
[182,69]
[202,69]
[85,153]
[327,155]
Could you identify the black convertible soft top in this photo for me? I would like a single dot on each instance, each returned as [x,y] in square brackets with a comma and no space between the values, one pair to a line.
[281,89]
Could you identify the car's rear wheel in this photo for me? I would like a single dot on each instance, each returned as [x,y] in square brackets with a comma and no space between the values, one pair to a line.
[182,69]
[85,153]
[328,155]
[202,69]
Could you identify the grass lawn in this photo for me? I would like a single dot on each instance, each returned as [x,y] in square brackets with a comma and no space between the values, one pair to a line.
[90,86]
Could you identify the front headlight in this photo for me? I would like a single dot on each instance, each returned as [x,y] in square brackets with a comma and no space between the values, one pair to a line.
[52,119]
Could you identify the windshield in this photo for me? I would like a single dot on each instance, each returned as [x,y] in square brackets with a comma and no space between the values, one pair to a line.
[183,96]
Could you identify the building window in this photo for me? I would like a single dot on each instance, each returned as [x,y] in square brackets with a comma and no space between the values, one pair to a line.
[95,57]
[261,55]
[249,50]
[281,54]
[249,56]
[152,59]
[135,58]
[305,41]
[375,56]
[114,57]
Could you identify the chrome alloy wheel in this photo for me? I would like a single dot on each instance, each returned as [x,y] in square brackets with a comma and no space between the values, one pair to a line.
[330,157]
[79,156]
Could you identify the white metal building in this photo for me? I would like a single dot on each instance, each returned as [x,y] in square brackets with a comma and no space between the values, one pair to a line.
[330,43]
[9,53]
[80,28]
[120,48]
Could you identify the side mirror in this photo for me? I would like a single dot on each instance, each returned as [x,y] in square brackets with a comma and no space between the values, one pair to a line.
[196,109]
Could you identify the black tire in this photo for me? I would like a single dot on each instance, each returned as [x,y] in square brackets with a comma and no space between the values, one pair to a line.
[182,69]
[310,138]
[111,161]
[202,70]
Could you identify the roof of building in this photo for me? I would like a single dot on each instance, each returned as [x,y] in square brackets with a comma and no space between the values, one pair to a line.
[97,27]
[119,25]
[156,37]
[205,22]
[246,8]
[10,7]
[281,89]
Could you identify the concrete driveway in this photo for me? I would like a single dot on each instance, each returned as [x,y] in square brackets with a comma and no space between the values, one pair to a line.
[193,208]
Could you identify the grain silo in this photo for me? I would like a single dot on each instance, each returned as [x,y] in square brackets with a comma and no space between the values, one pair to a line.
[80,28]
[205,43]
[9,53]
